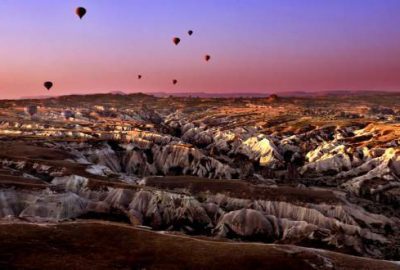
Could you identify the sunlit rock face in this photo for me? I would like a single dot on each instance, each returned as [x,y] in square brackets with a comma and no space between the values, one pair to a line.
[148,154]
[261,149]
[327,158]
[384,167]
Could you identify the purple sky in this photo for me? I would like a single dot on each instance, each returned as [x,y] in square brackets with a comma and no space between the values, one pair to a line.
[255,45]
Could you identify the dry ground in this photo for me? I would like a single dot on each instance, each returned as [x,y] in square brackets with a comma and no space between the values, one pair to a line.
[104,245]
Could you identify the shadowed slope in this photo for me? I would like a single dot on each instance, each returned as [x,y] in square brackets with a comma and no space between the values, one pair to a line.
[104,245]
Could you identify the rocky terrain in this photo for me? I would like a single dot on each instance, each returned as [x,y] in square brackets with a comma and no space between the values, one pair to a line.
[305,181]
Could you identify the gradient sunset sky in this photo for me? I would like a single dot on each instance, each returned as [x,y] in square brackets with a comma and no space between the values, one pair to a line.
[255,45]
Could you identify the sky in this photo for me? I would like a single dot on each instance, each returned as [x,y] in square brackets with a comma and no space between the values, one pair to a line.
[255,46]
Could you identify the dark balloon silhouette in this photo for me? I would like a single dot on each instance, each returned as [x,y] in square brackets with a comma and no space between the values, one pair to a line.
[48,85]
[80,11]
[176,40]
[190,32]
[174,81]
[207,57]
[139,76]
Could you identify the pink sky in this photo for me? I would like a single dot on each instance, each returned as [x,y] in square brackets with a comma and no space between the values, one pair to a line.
[256,46]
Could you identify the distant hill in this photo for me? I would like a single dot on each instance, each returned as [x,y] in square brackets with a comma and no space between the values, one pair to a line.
[233,95]
[35,97]
[267,94]
[209,95]
[333,93]
[118,93]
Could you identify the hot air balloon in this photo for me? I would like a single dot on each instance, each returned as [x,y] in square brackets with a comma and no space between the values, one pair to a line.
[80,11]
[207,57]
[48,85]
[176,40]
[174,81]
[139,76]
[190,32]
[31,110]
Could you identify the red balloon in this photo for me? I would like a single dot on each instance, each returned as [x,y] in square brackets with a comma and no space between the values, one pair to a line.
[176,40]
[80,11]
[207,57]
[174,81]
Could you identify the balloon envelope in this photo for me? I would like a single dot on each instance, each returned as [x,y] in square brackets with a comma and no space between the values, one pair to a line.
[80,11]
[48,85]
[207,57]
[190,32]
[139,77]
[176,40]
[174,81]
